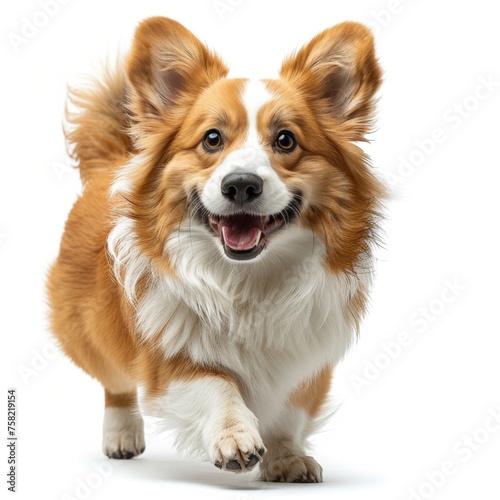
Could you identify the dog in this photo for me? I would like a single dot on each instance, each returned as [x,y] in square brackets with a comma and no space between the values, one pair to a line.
[220,256]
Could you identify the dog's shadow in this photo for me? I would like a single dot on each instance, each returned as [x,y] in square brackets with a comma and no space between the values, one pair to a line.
[170,468]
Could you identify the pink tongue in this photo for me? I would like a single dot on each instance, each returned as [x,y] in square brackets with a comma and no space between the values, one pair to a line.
[241,232]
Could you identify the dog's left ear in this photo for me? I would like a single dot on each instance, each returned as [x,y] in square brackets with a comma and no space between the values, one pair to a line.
[338,73]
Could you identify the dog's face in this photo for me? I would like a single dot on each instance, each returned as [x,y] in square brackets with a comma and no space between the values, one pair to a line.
[249,159]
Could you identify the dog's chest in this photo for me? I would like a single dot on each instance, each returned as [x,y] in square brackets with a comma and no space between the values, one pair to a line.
[271,331]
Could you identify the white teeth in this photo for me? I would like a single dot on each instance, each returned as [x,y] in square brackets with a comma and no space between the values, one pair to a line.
[259,237]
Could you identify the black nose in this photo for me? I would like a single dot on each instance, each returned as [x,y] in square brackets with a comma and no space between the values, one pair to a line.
[241,188]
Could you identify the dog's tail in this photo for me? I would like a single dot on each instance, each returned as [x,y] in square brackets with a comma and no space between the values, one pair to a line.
[96,127]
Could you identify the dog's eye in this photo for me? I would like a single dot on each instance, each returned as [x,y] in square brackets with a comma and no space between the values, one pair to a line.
[212,141]
[285,141]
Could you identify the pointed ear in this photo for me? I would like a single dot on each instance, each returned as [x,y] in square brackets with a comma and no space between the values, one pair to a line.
[168,67]
[338,73]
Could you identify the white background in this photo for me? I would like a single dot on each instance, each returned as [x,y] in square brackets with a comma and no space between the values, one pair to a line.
[400,418]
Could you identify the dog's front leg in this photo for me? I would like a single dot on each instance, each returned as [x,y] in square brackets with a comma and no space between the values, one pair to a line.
[209,413]
[286,459]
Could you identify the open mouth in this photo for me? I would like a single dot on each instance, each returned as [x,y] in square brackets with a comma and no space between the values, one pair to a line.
[244,236]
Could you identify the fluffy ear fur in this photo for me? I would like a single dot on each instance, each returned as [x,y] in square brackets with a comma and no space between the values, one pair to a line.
[339,74]
[167,68]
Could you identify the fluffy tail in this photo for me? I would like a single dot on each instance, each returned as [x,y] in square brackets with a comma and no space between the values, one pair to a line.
[96,126]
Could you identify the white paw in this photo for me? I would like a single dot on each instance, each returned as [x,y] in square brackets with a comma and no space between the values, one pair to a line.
[123,433]
[237,449]
[292,469]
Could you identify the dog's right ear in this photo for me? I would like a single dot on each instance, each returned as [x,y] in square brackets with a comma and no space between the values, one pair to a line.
[167,67]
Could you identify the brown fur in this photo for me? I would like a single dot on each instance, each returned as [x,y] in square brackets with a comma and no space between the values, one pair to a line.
[157,105]
[311,395]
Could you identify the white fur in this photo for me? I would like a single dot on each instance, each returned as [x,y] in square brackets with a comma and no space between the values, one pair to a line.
[273,322]
[121,183]
[123,432]
[250,158]
[129,265]
[211,417]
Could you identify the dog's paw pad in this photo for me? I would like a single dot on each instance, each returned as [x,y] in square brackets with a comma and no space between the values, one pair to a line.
[233,465]
[253,460]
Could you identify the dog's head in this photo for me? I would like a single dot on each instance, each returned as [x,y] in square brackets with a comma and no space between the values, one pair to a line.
[248,160]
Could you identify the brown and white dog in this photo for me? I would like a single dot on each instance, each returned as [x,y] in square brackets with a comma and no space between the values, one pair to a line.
[220,256]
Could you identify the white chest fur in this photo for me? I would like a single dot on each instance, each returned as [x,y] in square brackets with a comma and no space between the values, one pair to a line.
[272,323]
